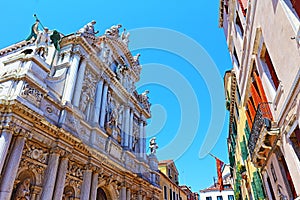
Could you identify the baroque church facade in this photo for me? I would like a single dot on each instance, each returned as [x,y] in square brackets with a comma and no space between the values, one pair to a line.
[72,124]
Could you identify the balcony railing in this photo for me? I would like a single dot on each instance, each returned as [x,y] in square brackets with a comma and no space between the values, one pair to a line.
[263,117]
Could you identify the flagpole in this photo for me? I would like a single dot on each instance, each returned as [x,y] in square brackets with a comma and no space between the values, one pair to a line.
[220,160]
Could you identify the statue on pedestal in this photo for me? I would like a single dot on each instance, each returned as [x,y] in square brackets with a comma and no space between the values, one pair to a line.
[153,145]
[125,37]
[113,31]
[42,42]
[23,191]
[89,28]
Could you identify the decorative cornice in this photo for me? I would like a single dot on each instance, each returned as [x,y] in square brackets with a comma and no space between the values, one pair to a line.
[15,47]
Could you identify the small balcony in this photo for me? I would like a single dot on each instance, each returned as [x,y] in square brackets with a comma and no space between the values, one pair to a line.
[264,135]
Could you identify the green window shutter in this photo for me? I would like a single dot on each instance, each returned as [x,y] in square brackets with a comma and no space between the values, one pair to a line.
[259,186]
[254,190]
[244,149]
[231,158]
[247,130]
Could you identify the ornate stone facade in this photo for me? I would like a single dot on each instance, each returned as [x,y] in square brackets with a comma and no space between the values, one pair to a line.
[72,124]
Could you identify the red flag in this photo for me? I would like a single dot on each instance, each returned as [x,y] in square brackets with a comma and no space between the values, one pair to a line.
[219,170]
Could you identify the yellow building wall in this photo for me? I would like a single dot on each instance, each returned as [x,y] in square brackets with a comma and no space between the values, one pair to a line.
[165,182]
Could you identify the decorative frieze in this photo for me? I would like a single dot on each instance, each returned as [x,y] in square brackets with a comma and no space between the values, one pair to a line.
[36,153]
[31,165]
[75,170]
[100,141]
[4,88]
[115,150]
[32,94]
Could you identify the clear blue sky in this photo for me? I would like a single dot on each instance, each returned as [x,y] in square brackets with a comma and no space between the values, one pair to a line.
[183,69]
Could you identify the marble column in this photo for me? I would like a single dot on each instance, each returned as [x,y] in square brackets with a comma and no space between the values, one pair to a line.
[98,101]
[128,194]
[50,175]
[71,79]
[61,179]
[126,130]
[11,169]
[79,82]
[103,105]
[123,193]
[123,127]
[5,140]
[144,142]
[94,186]
[130,130]
[86,184]
[141,139]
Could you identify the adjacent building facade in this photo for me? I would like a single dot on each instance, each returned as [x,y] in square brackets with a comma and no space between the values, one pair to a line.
[214,193]
[262,95]
[169,183]
[72,123]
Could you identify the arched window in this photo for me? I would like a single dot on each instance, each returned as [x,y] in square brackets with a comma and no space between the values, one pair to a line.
[101,194]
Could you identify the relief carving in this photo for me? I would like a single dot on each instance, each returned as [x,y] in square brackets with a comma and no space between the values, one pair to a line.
[4,88]
[113,113]
[35,153]
[75,170]
[88,93]
[32,94]
[100,141]
[23,190]
[32,166]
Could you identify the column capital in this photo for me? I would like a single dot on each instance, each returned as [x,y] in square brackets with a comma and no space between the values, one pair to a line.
[76,51]
[89,167]
[66,154]
[105,78]
[24,133]
[57,150]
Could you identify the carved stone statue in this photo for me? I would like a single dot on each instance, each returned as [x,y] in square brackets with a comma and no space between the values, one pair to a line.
[120,115]
[89,28]
[23,190]
[125,37]
[106,53]
[136,59]
[144,95]
[84,101]
[153,146]
[113,31]
[42,42]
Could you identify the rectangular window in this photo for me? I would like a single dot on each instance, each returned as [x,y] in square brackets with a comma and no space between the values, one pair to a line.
[165,193]
[295,139]
[235,57]
[230,197]
[171,194]
[169,173]
[273,173]
[219,198]
[238,94]
[265,57]
[208,198]
[238,22]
